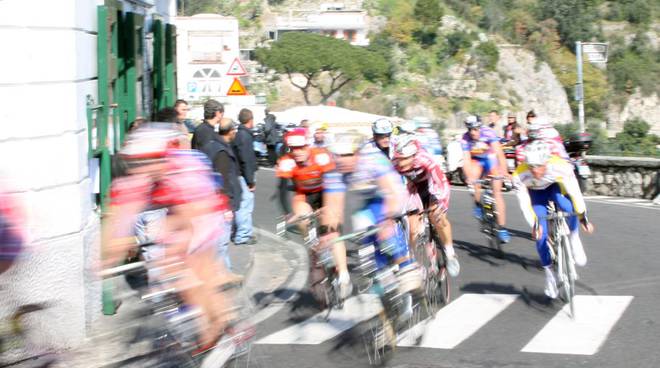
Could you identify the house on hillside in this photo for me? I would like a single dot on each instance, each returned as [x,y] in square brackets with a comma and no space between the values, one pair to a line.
[331,19]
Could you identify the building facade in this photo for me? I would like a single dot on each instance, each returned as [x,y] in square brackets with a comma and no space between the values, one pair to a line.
[331,19]
[75,74]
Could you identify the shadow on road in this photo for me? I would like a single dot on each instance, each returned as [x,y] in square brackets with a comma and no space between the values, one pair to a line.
[533,299]
[495,257]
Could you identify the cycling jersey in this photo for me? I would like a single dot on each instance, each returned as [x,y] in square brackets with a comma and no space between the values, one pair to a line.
[373,165]
[481,148]
[551,137]
[188,179]
[427,180]
[307,178]
[558,171]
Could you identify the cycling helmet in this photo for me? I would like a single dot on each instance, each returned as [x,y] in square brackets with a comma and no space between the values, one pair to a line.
[296,137]
[382,126]
[150,141]
[408,126]
[406,147]
[472,122]
[535,128]
[537,153]
[346,143]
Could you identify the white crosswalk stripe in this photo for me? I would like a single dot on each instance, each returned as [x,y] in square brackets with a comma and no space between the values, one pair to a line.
[316,329]
[594,318]
[461,319]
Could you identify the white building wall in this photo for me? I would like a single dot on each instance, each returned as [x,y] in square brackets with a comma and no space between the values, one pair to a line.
[47,70]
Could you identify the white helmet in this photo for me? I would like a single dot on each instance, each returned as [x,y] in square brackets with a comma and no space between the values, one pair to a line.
[382,126]
[406,146]
[536,127]
[537,153]
[408,126]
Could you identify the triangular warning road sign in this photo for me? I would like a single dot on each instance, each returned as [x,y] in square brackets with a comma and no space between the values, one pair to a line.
[237,89]
[236,68]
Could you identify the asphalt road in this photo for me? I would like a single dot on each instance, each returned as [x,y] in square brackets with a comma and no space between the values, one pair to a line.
[499,316]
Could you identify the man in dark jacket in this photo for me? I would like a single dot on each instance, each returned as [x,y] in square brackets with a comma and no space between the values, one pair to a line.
[224,161]
[272,137]
[206,131]
[247,162]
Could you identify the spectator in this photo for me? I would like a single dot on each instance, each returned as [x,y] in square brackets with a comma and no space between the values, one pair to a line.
[320,135]
[206,131]
[181,107]
[512,132]
[531,116]
[224,162]
[494,120]
[247,162]
[272,137]
[168,115]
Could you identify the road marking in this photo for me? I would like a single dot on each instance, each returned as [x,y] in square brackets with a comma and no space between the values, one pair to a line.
[626,200]
[459,320]
[594,318]
[316,329]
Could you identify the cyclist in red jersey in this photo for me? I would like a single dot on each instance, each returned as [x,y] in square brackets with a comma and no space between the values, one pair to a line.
[163,176]
[429,188]
[304,166]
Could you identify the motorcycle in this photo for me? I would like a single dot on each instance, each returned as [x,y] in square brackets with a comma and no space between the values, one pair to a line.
[577,149]
[259,145]
[454,161]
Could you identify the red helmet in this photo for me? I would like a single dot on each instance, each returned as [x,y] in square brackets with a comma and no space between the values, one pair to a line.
[296,137]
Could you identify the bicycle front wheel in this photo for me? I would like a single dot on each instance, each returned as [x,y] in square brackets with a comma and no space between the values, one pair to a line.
[568,275]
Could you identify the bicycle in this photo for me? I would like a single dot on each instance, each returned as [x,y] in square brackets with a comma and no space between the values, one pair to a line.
[488,219]
[324,283]
[562,254]
[379,334]
[170,329]
[436,285]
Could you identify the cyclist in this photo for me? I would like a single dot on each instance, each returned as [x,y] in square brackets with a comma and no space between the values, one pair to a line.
[542,129]
[335,184]
[382,133]
[321,135]
[542,178]
[304,166]
[429,189]
[161,175]
[483,156]
[384,196]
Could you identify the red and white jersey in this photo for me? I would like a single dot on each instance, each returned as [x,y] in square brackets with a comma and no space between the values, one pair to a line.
[427,176]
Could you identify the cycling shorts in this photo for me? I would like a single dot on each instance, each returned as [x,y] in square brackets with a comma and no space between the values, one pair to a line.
[487,164]
[314,200]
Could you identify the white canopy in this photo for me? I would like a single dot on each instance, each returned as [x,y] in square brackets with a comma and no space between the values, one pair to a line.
[334,116]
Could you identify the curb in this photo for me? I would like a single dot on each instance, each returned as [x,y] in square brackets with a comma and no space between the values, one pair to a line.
[295,281]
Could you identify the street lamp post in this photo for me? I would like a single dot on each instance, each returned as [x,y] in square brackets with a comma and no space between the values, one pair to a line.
[596,53]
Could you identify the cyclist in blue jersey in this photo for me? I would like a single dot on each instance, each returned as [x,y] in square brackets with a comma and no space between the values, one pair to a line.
[483,156]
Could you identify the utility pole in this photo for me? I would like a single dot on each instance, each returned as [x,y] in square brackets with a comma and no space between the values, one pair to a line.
[579,86]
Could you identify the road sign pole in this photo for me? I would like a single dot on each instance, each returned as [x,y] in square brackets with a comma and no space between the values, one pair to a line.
[580,85]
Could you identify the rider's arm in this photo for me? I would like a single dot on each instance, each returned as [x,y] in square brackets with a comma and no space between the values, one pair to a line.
[394,193]
[334,189]
[284,171]
[524,200]
[566,178]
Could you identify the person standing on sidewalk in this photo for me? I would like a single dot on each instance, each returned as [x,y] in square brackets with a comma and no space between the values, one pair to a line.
[247,162]
[272,137]
[182,108]
[224,162]
[213,113]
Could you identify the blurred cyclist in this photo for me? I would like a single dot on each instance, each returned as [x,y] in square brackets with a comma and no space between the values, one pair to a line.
[542,178]
[163,176]
[483,156]
[382,132]
[541,129]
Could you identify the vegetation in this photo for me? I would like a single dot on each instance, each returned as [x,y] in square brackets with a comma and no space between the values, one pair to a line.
[634,140]
[315,56]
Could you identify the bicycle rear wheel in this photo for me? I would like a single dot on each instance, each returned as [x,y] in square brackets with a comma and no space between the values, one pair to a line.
[442,277]
[379,339]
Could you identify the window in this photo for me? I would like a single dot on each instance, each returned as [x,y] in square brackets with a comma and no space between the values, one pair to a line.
[206,47]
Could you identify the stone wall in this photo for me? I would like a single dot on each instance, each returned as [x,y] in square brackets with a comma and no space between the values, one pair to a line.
[624,176]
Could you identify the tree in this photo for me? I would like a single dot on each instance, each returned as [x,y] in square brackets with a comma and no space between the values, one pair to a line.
[429,15]
[314,56]
[635,138]
[576,19]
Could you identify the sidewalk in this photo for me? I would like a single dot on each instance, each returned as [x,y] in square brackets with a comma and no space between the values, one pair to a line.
[269,267]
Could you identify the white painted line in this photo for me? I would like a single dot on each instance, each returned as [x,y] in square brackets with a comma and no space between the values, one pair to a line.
[598,197]
[460,319]
[626,200]
[594,318]
[316,329]
[266,168]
